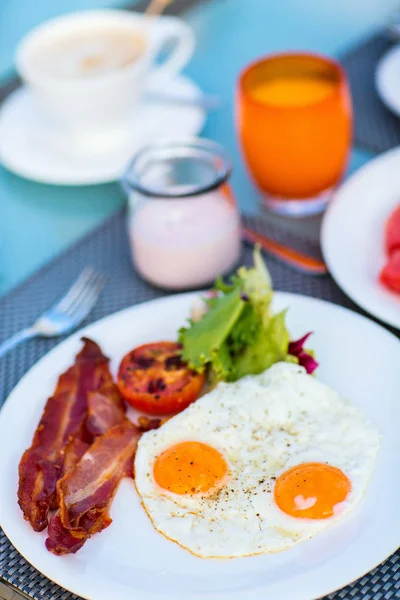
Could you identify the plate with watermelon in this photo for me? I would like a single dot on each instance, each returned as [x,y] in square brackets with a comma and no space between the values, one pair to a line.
[360,237]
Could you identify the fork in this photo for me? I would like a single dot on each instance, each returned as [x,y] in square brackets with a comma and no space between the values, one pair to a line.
[66,314]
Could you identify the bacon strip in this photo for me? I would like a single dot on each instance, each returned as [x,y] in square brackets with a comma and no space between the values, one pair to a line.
[62,421]
[148,423]
[72,455]
[105,409]
[84,496]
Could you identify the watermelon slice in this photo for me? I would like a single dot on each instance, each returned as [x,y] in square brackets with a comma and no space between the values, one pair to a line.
[392,231]
[390,274]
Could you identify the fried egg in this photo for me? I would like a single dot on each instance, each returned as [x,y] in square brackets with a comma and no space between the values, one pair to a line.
[256,466]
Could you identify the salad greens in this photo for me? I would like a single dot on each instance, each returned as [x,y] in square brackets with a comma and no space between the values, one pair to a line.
[239,335]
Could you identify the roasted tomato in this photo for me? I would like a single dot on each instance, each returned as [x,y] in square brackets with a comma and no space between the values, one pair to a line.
[390,274]
[393,231]
[154,379]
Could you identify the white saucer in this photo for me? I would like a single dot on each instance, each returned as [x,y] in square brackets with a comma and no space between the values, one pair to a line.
[387,79]
[27,149]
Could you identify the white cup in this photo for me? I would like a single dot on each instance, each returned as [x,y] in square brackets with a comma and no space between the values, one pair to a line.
[97,107]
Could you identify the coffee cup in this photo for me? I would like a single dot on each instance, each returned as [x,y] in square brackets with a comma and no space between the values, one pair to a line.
[88,70]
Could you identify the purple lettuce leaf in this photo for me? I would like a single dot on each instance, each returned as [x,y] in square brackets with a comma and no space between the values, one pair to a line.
[305,358]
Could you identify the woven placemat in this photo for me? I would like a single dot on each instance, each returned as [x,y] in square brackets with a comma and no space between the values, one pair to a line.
[375,127]
[107,249]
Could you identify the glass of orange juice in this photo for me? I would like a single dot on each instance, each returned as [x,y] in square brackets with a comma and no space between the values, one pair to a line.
[294,122]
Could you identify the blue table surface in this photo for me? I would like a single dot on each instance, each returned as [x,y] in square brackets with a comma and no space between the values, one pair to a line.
[38,221]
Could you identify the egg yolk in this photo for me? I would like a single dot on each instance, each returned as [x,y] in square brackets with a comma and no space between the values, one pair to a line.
[311,490]
[190,468]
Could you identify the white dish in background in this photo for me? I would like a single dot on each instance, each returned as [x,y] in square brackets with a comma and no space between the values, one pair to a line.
[352,235]
[131,559]
[29,148]
[387,79]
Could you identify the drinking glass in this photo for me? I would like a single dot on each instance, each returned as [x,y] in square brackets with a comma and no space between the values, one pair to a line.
[293,114]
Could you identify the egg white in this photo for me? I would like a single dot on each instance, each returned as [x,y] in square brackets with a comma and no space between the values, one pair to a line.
[262,425]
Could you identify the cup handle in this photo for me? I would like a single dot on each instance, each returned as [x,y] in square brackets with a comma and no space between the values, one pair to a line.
[183,35]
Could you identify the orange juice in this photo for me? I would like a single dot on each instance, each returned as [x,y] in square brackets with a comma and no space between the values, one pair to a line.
[294,123]
[293,91]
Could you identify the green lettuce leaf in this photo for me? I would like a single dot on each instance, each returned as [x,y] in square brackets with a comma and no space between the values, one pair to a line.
[269,347]
[238,335]
[201,341]
[256,284]
[222,363]
[245,330]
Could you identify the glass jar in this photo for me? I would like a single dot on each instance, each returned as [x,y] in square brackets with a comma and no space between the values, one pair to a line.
[183,222]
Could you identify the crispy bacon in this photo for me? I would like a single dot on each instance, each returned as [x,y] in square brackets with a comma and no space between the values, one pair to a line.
[66,542]
[105,409]
[148,423]
[62,421]
[84,496]
[72,455]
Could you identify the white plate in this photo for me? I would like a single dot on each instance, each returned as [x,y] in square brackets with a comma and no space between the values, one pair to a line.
[131,561]
[387,79]
[352,235]
[29,148]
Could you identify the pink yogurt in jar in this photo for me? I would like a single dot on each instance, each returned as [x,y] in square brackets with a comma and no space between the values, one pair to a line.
[183,224]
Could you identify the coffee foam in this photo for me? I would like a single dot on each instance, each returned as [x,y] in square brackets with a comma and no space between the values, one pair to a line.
[82,54]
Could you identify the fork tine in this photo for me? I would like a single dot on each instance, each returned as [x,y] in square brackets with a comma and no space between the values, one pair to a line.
[93,290]
[89,301]
[80,296]
[76,288]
